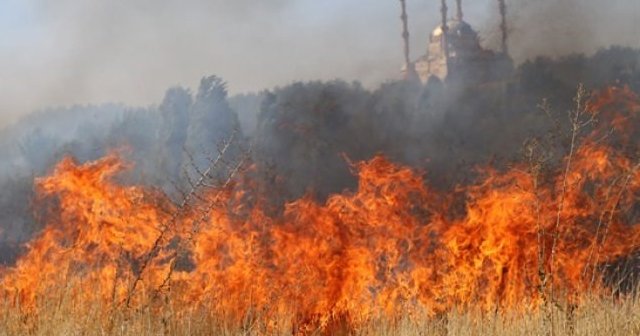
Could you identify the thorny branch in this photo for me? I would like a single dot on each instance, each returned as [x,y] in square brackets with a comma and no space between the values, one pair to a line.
[189,196]
[195,228]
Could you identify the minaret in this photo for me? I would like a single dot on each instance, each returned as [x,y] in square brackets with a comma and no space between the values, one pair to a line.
[445,35]
[459,15]
[503,25]
[409,69]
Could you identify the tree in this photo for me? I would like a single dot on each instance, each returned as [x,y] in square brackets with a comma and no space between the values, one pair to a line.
[212,122]
[172,135]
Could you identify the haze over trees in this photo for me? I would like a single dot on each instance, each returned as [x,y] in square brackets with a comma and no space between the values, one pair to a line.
[304,135]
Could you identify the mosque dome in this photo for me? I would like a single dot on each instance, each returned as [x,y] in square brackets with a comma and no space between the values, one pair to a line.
[456,27]
[462,40]
[460,34]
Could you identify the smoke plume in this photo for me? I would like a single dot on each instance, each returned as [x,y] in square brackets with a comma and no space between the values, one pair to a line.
[81,52]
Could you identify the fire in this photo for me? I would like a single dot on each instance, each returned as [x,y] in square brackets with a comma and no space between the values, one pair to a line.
[93,227]
[393,247]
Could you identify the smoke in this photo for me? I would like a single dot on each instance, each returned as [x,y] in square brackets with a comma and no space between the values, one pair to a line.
[101,51]
[79,52]
[95,51]
[555,28]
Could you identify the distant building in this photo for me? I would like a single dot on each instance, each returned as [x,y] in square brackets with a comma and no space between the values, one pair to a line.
[458,55]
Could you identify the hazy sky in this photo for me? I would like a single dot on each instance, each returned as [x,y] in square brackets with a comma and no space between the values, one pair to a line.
[61,52]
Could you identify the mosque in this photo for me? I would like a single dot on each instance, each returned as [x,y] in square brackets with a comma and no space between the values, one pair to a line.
[454,52]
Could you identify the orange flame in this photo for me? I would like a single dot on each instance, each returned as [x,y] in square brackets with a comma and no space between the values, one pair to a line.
[392,247]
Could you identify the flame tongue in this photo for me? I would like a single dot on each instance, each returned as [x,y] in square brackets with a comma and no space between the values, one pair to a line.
[388,249]
[93,226]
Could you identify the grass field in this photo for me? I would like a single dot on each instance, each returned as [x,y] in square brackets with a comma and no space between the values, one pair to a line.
[64,317]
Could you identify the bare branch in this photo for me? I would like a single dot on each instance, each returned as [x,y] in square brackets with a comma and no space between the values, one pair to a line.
[180,209]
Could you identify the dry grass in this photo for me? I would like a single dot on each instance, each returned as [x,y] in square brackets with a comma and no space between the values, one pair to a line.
[63,317]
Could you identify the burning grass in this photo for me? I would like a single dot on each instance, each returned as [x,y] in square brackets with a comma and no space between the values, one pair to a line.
[520,250]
